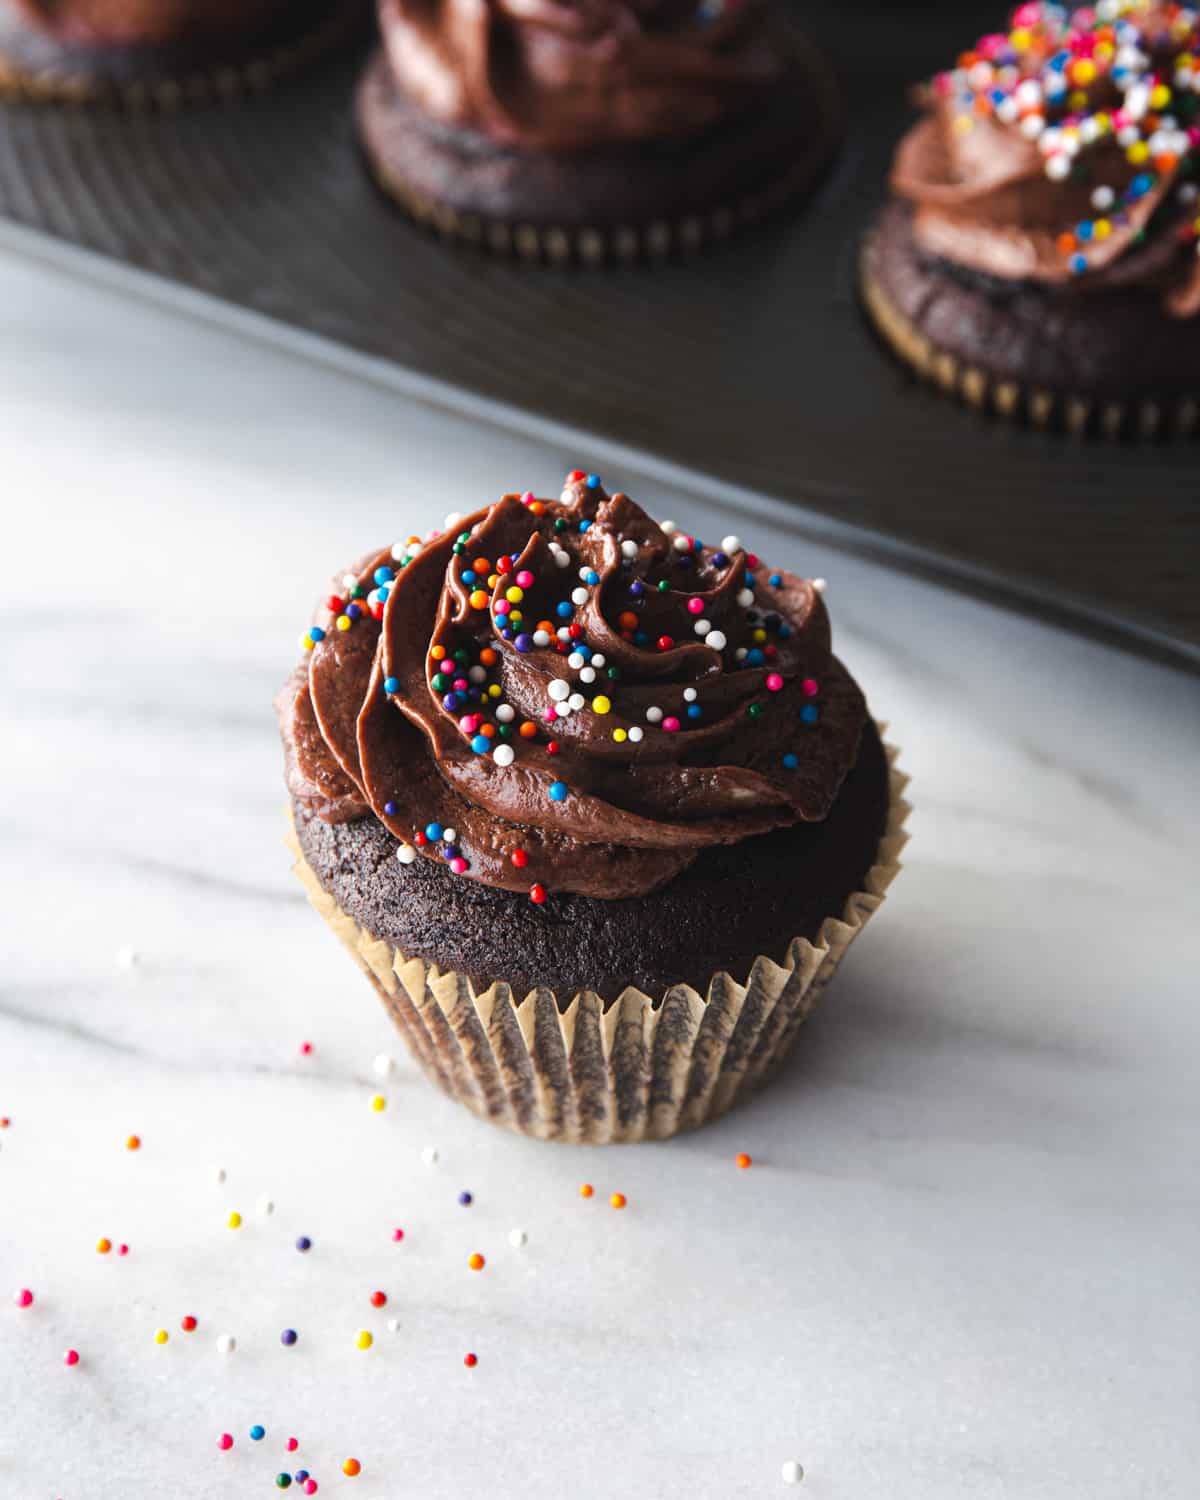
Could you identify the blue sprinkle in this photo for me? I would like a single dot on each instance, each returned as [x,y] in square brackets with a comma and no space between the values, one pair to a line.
[585,525]
[697,544]
[384,575]
[451,851]
[564,610]
[558,791]
[304,1244]
[754,657]
[784,631]
[505,634]
[584,650]
[383,595]
[1083,231]
[694,710]
[640,638]
[301,1475]
[1077,263]
[791,761]
[637,588]
[775,580]
[354,612]
[808,714]
[523,642]
[591,577]
[390,809]
[465,1199]
[316,634]
[720,559]
[452,701]
[749,580]
[391,684]
[257,1433]
[593,481]
[288,1337]
[433,831]
[468,575]
[480,744]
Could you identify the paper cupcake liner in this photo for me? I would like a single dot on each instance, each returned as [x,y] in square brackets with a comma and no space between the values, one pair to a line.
[1077,413]
[657,239]
[642,1069]
[45,74]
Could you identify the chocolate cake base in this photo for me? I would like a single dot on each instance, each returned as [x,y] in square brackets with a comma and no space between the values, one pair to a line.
[1112,363]
[733,904]
[35,68]
[645,201]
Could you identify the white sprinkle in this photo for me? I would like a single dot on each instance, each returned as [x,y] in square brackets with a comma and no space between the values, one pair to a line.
[226,1343]
[577,701]
[598,659]
[819,584]
[216,1175]
[792,1472]
[567,497]
[384,1064]
[348,581]
[506,713]
[452,519]
[541,637]
[745,598]
[702,627]
[629,548]
[414,548]
[1058,168]
[449,835]
[584,571]
[266,1207]
[399,550]
[587,674]
[429,1155]
[575,661]
[635,734]
[716,639]
[731,544]
[563,633]
[740,654]
[654,715]
[668,527]
[477,674]
[564,710]
[563,559]
[689,695]
[559,689]
[682,544]
[393,1325]
[405,853]
[517,1238]
[504,755]
[579,596]
[127,957]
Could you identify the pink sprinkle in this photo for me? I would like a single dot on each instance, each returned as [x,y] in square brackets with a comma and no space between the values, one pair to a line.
[460,684]
[305,1049]
[502,606]
[550,714]
[225,1442]
[310,1486]
[695,606]
[71,1357]
[23,1297]
[774,682]
[809,687]
[469,723]
[292,1444]
[525,578]
[397,1235]
[458,865]
[527,498]
[752,560]
[670,724]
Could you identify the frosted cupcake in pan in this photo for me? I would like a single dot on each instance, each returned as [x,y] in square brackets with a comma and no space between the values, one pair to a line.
[594,805]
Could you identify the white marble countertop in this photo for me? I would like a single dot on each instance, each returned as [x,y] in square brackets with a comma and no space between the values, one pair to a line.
[963,1265]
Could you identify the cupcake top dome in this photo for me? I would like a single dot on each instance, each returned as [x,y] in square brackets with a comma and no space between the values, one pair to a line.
[565,695]
[569,74]
[146,23]
[1063,151]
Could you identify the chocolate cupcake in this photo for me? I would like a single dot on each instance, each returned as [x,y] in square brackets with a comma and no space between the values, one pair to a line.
[593,805]
[1038,257]
[161,53]
[595,130]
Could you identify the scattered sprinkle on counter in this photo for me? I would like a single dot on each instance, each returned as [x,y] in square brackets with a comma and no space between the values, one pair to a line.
[742,1160]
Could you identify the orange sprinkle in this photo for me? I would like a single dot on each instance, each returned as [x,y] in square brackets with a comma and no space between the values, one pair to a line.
[487,730]
[627,620]
[741,1160]
[134,1143]
[537,507]
[1066,243]
[528,729]
[437,652]
[488,657]
[1165,162]
[481,565]
[618,1200]
[352,1467]
[103,1246]
[476,1262]
[586,1190]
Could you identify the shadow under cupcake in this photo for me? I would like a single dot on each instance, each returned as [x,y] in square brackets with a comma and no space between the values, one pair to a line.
[593,805]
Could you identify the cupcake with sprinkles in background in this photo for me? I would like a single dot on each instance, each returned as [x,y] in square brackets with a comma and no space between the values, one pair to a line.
[147,53]
[606,130]
[1039,254]
[593,804]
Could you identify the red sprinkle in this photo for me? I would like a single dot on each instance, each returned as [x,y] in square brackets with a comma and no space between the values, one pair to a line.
[305,1049]
[575,476]
[809,687]
[397,1235]
[519,858]
[71,1357]
[335,604]
[752,560]
[574,631]
[503,564]
[470,1360]
[420,840]
[188,1324]
[552,748]
[378,1299]
[665,642]
[537,894]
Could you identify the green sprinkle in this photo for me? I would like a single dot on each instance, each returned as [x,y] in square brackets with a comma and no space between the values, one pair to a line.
[755,710]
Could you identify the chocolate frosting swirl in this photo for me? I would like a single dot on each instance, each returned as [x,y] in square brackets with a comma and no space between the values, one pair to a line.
[567,696]
[146,23]
[1062,152]
[557,75]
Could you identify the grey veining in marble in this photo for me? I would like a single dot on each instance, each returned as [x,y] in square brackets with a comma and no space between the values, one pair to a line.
[963,1266]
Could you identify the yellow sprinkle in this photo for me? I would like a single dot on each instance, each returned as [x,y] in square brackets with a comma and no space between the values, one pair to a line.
[1077,99]
[307,642]
[759,635]
[617,1200]
[601,705]
[344,622]
[494,690]
[161,1336]
[1101,229]
[963,124]
[515,616]
[364,1339]
[378,1102]
[1138,153]
[1020,38]
[235,1220]
[620,736]
[515,594]
[493,580]
[1160,97]
[437,652]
